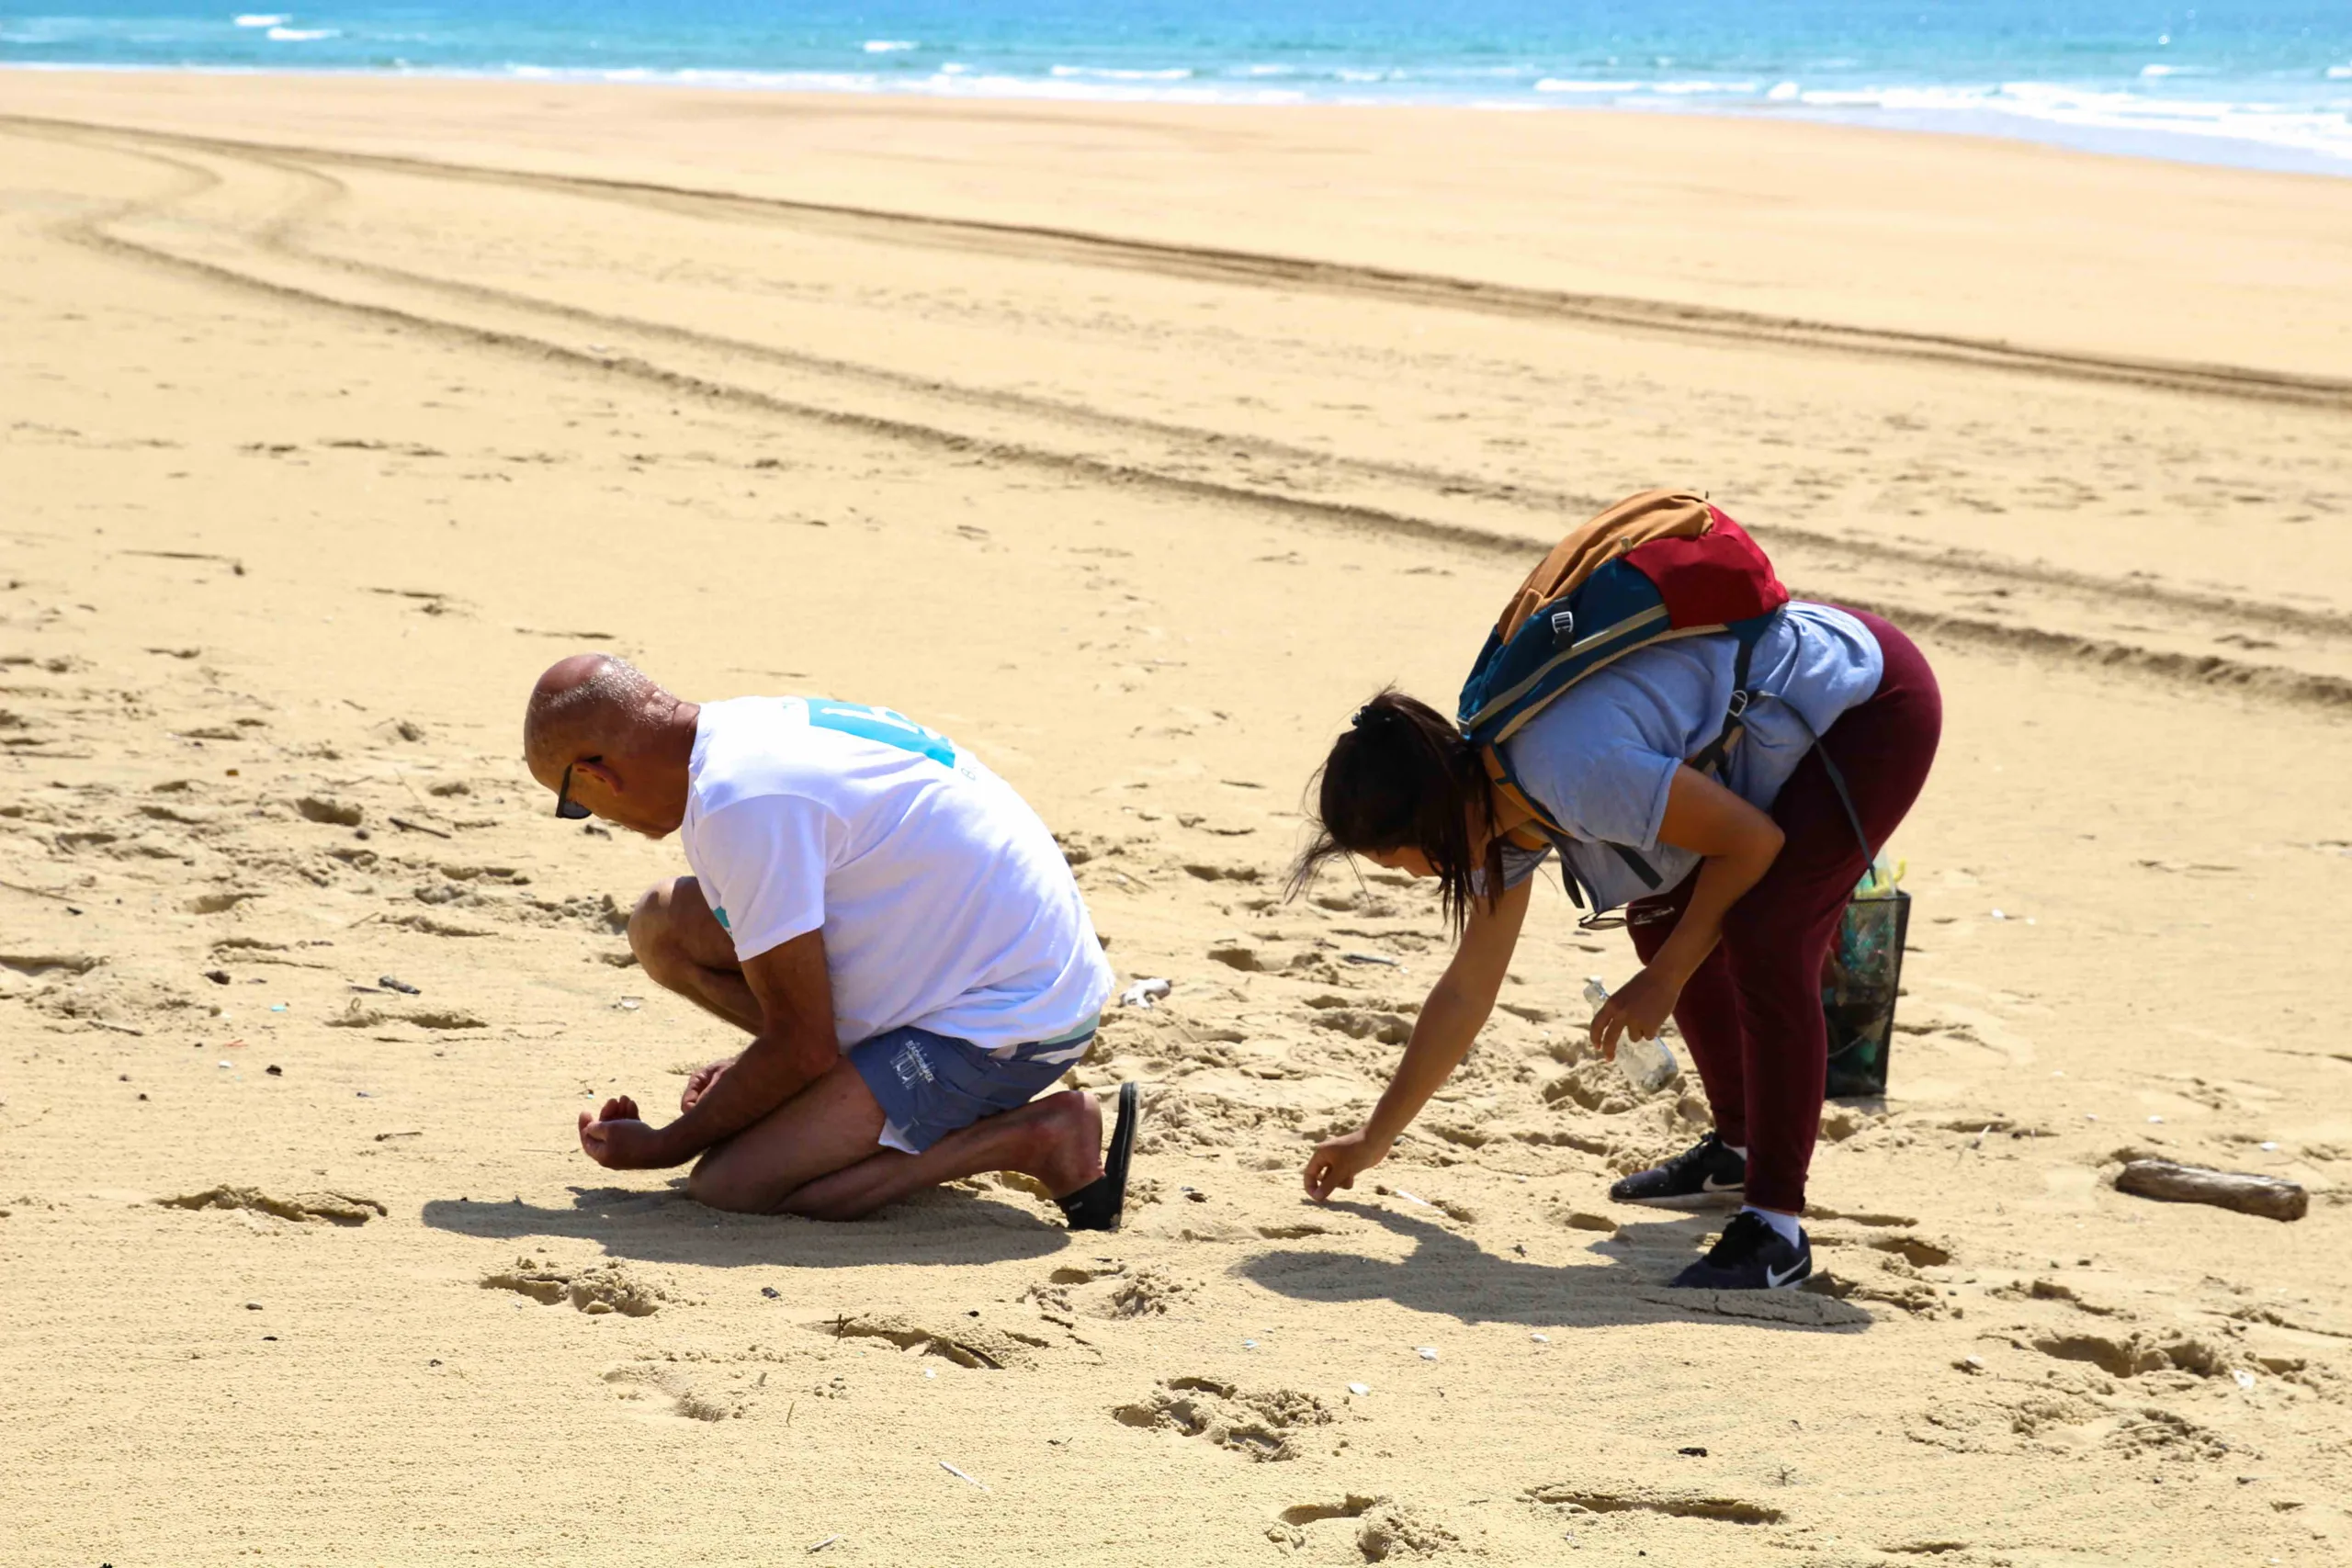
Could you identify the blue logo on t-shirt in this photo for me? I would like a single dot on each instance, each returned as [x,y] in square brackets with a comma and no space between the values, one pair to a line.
[880,724]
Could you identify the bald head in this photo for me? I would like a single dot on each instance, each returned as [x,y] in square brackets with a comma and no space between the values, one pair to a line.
[586,704]
[619,745]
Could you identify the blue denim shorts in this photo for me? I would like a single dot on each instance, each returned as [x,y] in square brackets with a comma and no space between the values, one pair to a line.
[928,1085]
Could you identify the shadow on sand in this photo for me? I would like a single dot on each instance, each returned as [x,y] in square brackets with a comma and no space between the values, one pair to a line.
[946,1225]
[1450,1275]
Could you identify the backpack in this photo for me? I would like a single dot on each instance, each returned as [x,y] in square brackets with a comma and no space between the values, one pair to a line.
[1655,567]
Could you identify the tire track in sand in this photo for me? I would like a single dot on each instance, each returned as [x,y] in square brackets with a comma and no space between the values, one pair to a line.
[1540,504]
[1294,273]
[1533,506]
[273,240]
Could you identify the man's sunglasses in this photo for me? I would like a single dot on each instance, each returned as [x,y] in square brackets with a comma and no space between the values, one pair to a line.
[566,807]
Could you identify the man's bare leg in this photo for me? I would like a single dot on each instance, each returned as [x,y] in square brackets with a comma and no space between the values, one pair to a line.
[684,949]
[1058,1140]
[816,1155]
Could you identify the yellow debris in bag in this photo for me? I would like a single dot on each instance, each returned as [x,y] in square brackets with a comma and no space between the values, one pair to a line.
[1882,879]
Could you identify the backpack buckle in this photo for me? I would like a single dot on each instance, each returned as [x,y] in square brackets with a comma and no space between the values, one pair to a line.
[1738,703]
[1564,625]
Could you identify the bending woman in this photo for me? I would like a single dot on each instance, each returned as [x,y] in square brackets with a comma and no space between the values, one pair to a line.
[1755,874]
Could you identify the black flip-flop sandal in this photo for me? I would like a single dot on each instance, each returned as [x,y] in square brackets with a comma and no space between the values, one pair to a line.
[1097,1206]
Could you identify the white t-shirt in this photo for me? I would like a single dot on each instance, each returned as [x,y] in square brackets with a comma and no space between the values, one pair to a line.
[945,901]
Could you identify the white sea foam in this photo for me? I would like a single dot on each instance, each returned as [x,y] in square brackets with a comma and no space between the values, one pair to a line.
[786,81]
[2339,72]
[889,45]
[1675,89]
[2307,129]
[263,20]
[955,79]
[1113,73]
[2299,128]
[299,35]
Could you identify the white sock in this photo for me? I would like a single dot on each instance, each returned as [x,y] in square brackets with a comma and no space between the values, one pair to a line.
[1739,1149]
[1785,1224]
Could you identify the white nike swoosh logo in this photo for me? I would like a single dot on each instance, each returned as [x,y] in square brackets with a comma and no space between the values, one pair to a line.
[1774,1278]
[1711,1185]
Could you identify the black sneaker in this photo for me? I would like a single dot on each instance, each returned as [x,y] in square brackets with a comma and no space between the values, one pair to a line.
[1750,1257]
[1706,1172]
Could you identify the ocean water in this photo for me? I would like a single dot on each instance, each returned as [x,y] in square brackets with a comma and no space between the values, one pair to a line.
[2264,83]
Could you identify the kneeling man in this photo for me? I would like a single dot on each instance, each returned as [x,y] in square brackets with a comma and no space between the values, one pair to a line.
[891,924]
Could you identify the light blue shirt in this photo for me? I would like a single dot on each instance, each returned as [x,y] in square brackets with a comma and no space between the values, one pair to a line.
[1601,758]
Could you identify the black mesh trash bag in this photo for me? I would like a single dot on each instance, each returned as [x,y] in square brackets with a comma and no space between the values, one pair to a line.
[1859,985]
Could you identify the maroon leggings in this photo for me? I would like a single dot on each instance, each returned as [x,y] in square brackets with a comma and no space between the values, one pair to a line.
[1752,1015]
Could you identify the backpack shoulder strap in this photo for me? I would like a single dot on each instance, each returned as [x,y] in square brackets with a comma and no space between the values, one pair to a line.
[1711,759]
[1743,695]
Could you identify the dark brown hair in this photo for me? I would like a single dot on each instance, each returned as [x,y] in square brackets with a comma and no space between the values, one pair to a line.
[1401,776]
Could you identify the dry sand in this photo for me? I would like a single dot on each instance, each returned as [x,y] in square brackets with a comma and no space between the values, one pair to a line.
[1132,447]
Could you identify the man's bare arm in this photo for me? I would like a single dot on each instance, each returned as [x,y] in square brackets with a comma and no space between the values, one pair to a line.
[795,1045]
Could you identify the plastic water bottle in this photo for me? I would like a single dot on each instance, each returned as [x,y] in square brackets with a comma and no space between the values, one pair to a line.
[1648,1065]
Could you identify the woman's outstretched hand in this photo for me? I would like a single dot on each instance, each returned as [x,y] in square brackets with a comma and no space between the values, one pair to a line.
[1336,1162]
[1639,1008]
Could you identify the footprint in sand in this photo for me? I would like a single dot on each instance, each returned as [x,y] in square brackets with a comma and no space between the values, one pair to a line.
[218,903]
[425,925]
[334,1208]
[2067,1421]
[1108,1289]
[354,1016]
[709,1396]
[1361,1023]
[1264,1425]
[1211,870]
[1147,1292]
[983,1348]
[42,965]
[1378,1529]
[596,1289]
[330,811]
[1574,1499]
[1897,1285]
[1917,1251]
[2137,1353]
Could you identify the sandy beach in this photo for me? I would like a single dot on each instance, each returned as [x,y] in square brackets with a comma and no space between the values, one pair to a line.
[1133,447]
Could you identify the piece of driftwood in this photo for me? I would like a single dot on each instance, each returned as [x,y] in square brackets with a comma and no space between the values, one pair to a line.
[2170,1183]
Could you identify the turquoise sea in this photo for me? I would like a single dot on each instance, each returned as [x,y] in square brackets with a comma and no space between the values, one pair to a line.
[2266,83]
